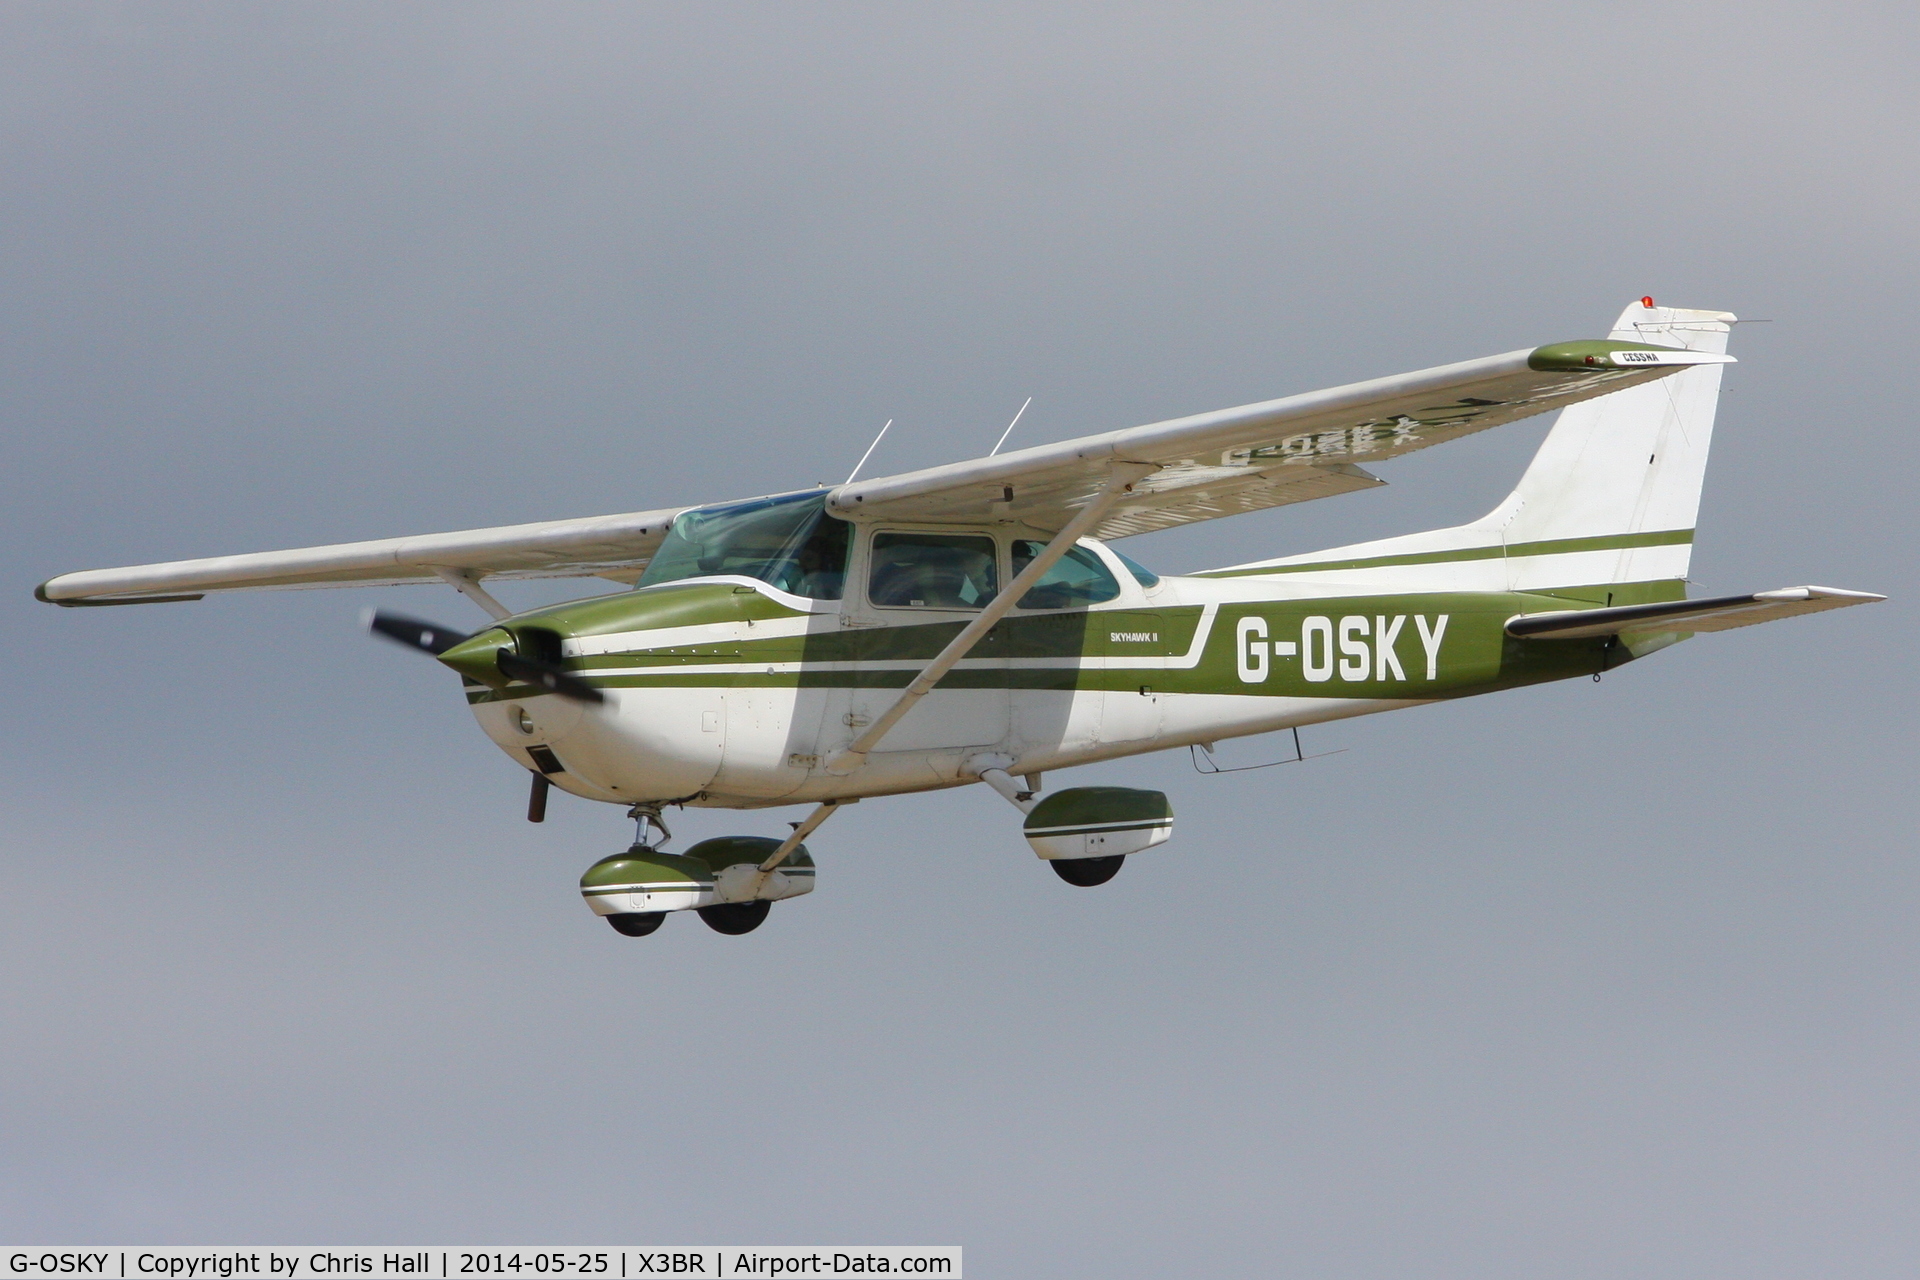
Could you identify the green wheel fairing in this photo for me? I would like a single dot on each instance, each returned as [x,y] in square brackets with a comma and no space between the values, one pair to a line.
[1083,822]
[722,852]
[641,880]
[641,869]
[1080,809]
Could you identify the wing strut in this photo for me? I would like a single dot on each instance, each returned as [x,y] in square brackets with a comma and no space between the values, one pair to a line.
[467,583]
[1119,481]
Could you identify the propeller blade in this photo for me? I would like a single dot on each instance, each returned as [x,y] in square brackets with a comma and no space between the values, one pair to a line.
[427,637]
[552,679]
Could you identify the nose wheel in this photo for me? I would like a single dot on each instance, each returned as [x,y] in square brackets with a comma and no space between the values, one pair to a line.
[636,924]
[1088,872]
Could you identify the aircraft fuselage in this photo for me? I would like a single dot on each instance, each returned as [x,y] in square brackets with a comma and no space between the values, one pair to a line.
[727,692]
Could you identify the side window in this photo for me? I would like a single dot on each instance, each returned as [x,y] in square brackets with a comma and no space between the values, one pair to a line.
[1076,578]
[932,571]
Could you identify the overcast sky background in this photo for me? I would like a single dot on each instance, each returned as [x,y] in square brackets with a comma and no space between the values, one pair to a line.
[1580,981]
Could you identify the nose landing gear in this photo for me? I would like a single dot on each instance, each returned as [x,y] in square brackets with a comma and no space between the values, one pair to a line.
[636,924]
[1087,872]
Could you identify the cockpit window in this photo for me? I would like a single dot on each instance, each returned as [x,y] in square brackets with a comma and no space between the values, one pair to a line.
[932,571]
[1076,578]
[789,542]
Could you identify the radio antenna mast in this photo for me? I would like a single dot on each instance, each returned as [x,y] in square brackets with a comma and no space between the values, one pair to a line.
[1009,431]
[868,453]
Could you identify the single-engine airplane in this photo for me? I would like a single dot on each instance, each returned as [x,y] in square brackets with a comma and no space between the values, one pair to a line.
[970,623]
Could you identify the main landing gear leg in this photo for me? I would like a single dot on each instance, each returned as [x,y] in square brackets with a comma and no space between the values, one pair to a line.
[1083,872]
[647,815]
[631,924]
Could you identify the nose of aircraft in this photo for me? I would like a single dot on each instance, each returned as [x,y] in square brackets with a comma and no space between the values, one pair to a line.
[478,656]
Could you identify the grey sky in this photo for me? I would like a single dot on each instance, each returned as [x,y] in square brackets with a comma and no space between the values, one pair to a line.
[1577,981]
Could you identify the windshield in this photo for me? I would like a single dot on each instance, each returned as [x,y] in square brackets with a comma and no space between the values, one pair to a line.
[789,542]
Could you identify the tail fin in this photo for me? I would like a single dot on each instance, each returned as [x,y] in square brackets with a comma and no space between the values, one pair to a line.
[1624,470]
[1610,498]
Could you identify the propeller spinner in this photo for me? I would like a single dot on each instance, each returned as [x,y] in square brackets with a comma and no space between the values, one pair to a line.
[429,637]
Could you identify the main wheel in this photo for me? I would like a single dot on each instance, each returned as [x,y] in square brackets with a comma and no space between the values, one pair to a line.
[1087,872]
[736,917]
[636,924]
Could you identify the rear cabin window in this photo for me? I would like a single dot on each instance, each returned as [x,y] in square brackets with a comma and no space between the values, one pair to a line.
[789,542]
[932,571]
[1141,574]
[1077,578]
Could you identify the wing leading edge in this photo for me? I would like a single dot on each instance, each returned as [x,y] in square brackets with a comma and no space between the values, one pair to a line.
[616,547]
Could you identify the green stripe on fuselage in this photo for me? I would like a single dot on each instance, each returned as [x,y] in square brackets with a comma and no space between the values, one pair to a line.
[1549,547]
[1475,654]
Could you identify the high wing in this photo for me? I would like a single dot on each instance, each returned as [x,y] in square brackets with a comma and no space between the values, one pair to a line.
[616,547]
[1720,613]
[1267,454]
[1212,464]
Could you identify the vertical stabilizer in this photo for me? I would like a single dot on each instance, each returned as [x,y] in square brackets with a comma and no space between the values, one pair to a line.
[1625,469]
[1610,498]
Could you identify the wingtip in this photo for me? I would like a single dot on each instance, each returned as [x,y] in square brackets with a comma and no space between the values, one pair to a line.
[1811,592]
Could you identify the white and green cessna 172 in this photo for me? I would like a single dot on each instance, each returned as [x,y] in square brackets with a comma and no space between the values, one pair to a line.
[970,623]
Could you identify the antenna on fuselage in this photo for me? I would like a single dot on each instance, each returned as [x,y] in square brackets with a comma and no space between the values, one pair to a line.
[1009,431]
[869,453]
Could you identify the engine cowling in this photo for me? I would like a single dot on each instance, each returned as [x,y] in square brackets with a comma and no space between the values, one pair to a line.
[1098,822]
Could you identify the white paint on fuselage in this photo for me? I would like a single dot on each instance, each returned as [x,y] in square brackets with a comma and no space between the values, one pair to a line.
[732,746]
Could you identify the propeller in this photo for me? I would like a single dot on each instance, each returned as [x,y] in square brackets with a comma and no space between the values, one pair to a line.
[542,676]
[430,637]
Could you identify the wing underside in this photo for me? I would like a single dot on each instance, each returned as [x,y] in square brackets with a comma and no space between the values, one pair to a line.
[1202,467]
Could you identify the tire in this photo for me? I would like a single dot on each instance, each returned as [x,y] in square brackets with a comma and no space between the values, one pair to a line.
[736,918]
[1087,872]
[636,924]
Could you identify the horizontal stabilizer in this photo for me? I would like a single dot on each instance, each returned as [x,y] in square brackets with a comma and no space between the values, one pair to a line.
[1720,613]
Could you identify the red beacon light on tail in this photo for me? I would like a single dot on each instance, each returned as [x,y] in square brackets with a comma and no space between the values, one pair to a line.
[1647,302]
